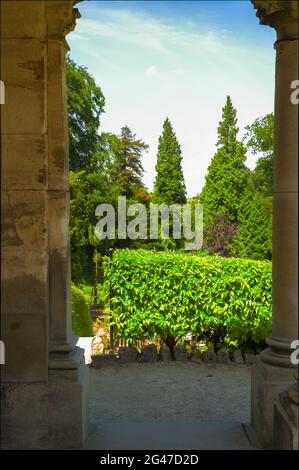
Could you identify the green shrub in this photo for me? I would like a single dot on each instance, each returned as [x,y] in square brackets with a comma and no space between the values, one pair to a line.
[81,317]
[226,301]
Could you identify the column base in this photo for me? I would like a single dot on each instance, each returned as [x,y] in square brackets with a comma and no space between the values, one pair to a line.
[286,420]
[267,382]
[50,415]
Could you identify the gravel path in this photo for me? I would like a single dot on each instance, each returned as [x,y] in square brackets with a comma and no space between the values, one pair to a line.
[174,391]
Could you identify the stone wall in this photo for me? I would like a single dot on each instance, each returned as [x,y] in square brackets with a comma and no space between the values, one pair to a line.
[44,375]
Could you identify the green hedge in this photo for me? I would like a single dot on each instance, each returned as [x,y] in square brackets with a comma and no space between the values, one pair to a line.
[226,301]
[81,317]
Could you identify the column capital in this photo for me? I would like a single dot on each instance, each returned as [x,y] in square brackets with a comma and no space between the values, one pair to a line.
[282,15]
[61,17]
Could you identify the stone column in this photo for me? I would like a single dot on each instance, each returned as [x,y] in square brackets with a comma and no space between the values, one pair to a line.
[44,377]
[61,338]
[273,371]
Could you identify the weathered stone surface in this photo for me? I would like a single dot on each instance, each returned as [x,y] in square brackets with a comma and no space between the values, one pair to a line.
[102,360]
[165,355]
[281,15]
[25,99]
[61,17]
[23,59]
[26,355]
[24,287]
[209,356]
[57,120]
[127,354]
[273,370]
[180,353]
[59,265]
[237,357]
[286,417]
[23,162]
[196,355]
[149,353]
[49,415]
[15,25]
[23,220]
[223,356]
[267,382]
[45,374]
[249,358]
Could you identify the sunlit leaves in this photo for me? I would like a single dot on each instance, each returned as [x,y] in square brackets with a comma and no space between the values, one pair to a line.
[167,294]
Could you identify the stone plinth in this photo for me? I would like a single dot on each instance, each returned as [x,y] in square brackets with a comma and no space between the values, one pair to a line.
[286,413]
[267,382]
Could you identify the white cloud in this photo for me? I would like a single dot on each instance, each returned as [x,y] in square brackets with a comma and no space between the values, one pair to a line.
[151,71]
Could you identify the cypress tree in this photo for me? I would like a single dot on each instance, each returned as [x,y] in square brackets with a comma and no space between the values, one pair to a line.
[169,186]
[254,237]
[227,173]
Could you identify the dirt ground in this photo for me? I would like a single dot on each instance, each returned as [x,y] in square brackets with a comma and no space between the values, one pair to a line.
[175,391]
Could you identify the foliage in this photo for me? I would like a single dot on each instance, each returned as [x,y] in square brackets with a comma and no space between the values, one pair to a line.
[85,105]
[166,294]
[103,167]
[259,139]
[254,237]
[81,317]
[126,168]
[88,189]
[227,173]
[262,176]
[219,235]
[259,135]
[90,294]
[169,185]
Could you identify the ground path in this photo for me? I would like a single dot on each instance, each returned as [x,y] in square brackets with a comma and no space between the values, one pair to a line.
[173,405]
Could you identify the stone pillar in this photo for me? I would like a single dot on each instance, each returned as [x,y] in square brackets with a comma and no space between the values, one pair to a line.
[61,338]
[273,371]
[44,378]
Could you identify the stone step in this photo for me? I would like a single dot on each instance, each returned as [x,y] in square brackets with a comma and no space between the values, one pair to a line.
[204,435]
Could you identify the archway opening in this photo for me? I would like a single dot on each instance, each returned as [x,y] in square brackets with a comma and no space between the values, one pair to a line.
[107,176]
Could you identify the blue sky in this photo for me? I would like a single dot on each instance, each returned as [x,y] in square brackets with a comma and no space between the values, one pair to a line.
[179,59]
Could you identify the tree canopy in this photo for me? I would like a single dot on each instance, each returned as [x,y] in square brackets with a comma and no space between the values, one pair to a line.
[126,167]
[169,185]
[237,202]
[85,105]
[227,173]
[259,139]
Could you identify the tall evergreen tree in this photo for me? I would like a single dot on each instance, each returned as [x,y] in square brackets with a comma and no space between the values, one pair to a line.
[227,173]
[126,168]
[169,186]
[254,235]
